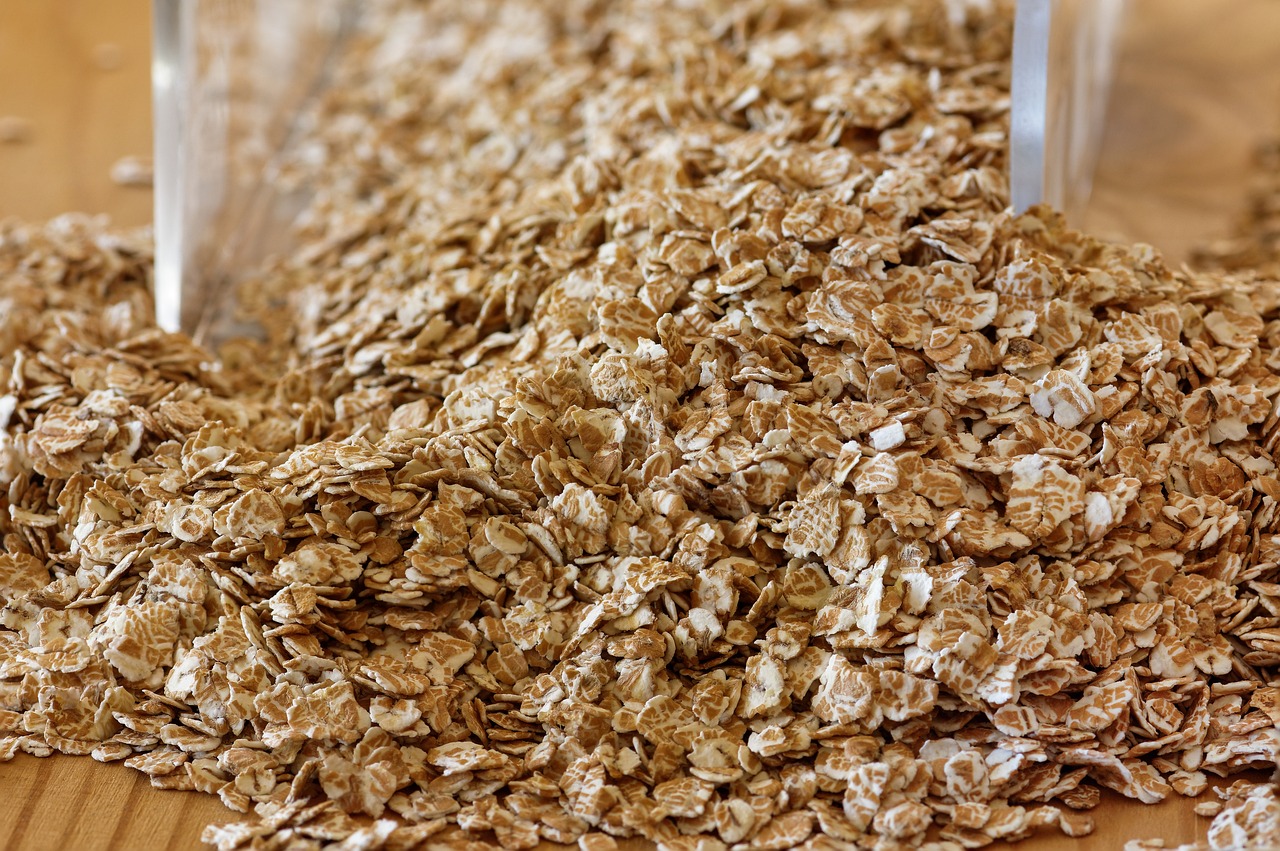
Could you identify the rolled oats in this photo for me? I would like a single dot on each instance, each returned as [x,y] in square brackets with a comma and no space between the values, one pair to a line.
[666,431]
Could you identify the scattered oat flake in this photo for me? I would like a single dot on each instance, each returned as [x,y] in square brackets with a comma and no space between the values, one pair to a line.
[133,171]
[14,129]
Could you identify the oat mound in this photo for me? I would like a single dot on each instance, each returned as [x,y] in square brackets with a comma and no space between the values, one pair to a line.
[665,432]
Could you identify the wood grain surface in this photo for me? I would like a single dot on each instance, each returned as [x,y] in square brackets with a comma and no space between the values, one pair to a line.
[1157,181]
[1197,88]
[76,73]
[75,803]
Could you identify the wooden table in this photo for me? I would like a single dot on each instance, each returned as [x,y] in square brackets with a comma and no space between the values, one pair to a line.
[1197,87]
[84,115]
[76,74]
[75,803]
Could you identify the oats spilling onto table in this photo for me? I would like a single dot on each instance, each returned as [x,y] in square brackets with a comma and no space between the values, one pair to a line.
[672,435]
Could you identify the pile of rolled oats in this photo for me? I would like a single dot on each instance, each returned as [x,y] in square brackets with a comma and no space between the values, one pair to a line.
[666,431]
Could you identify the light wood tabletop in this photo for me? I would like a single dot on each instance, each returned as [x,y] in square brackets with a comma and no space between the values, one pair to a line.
[1197,87]
[67,802]
[74,80]
[75,86]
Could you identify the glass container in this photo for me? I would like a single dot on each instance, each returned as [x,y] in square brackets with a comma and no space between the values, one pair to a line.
[1136,118]
[232,80]
[1063,58]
